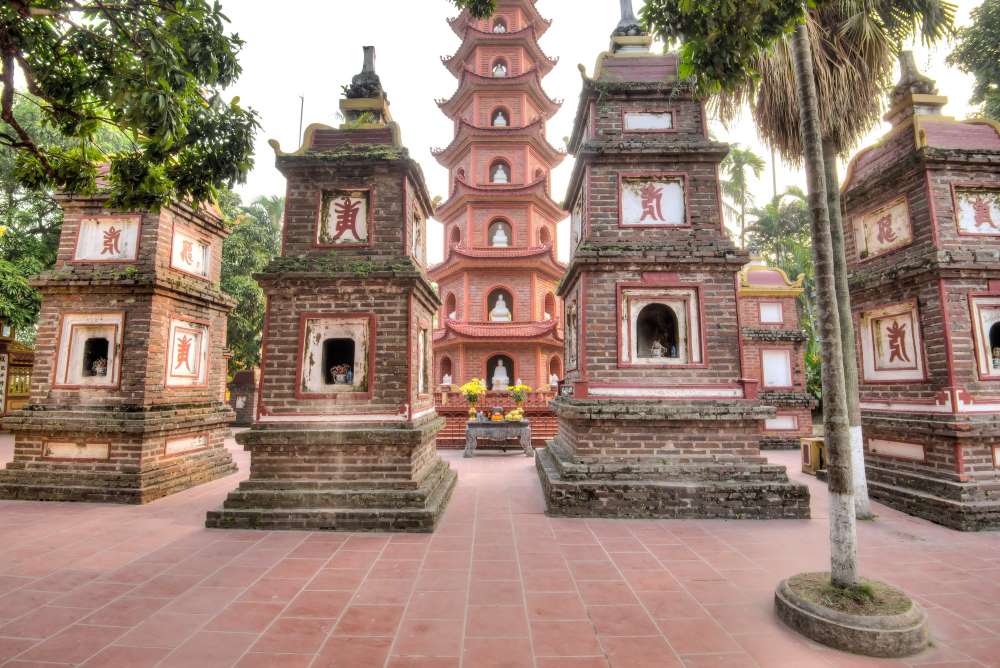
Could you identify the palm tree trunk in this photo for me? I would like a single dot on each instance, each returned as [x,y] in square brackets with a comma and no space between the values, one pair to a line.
[843,527]
[862,504]
[743,219]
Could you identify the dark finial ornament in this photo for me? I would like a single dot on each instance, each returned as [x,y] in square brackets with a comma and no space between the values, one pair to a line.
[366,84]
[911,80]
[629,26]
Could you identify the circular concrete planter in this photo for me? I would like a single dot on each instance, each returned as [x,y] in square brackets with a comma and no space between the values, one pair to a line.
[904,634]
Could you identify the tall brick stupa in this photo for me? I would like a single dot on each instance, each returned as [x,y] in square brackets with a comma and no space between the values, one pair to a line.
[657,417]
[127,392]
[922,236]
[500,319]
[345,430]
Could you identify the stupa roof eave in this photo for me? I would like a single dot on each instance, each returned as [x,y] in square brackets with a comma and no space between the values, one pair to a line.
[533,133]
[542,260]
[549,106]
[541,24]
[464,193]
[454,329]
[474,37]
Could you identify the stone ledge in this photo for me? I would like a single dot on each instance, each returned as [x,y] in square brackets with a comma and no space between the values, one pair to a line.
[625,409]
[760,334]
[102,420]
[596,497]
[788,399]
[357,434]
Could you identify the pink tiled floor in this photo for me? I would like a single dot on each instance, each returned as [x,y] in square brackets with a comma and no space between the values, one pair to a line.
[499,584]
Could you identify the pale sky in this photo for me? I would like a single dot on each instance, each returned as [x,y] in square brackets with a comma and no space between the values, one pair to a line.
[313,47]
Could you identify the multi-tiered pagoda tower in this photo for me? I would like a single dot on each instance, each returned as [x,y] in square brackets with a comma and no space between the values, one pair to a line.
[501,318]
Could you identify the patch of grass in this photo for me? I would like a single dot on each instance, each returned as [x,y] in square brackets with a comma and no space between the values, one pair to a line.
[869,598]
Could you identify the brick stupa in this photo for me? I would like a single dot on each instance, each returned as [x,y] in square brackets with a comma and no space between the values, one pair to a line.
[656,418]
[128,389]
[922,236]
[345,431]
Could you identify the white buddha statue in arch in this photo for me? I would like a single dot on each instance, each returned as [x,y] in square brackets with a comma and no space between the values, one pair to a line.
[501,379]
[500,312]
[500,119]
[500,174]
[500,238]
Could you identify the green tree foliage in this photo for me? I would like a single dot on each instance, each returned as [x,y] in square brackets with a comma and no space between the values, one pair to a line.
[478,8]
[738,166]
[255,241]
[978,53]
[30,219]
[154,69]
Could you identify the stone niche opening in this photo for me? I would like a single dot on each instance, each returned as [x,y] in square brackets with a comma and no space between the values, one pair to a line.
[986,331]
[89,350]
[338,361]
[660,327]
[500,234]
[335,354]
[499,372]
[500,305]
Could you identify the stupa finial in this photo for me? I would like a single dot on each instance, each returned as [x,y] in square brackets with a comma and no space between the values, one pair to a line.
[629,26]
[366,83]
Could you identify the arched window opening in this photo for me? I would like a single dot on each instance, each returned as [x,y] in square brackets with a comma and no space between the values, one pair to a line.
[460,175]
[995,345]
[95,356]
[656,330]
[451,307]
[544,236]
[499,234]
[555,370]
[338,361]
[456,236]
[446,371]
[500,118]
[499,25]
[499,372]
[539,174]
[500,305]
[550,307]
[500,68]
[500,172]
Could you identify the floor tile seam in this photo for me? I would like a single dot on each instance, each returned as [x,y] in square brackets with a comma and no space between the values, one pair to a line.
[413,590]
[642,604]
[211,616]
[468,584]
[124,632]
[524,590]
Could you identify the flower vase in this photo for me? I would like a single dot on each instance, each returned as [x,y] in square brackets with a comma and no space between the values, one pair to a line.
[472,412]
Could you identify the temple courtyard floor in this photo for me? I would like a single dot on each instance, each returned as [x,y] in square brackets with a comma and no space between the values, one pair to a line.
[499,584]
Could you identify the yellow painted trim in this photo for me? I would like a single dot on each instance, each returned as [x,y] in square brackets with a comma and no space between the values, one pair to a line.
[770,292]
[791,289]
[306,140]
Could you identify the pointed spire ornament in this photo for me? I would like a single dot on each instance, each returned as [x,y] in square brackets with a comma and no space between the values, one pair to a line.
[914,94]
[365,84]
[629,26]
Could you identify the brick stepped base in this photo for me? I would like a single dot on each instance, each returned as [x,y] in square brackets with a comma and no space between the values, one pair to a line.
[965,506]
[125,477]
[658,488]
[343,478]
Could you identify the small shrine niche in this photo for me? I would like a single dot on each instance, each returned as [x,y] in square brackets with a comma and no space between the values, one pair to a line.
[499,234]
[883,230]
[499,25]
[187,360]
[653,200]
[977,211]
[90,349]
[446,370]
[500,304]
[660,327]
[549,307]
[190,254]
[649,121]
[344,218]
[500,172]
[335,353]
[456,236]
[891,346]
[500,68]
[451,306]
[499,371]
[986,331]
[572,314]
[111,239]
[500,118]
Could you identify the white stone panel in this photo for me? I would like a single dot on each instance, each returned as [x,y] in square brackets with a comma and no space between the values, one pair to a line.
[71,450]
[343,218]
[648,121]
[898,449]
[190,253]
[771,313]
[782,423]
[187,359]
[891,344]
[653,201]
[883,230]
[181,444]
[978,210]
[113,239]
[777,368]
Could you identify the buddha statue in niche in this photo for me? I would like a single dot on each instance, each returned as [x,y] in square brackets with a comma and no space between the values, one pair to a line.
[500,312]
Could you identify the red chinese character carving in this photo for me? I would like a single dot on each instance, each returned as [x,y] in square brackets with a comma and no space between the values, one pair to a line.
[187,251]
[347,218]
[897,342]
[983,215]
[652,203]
[111,237]
[885,233]
[183,353]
